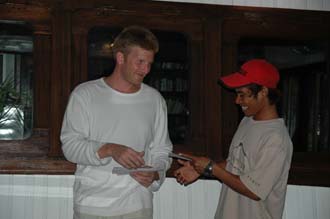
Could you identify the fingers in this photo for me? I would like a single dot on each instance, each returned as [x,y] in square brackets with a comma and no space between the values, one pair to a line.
[184,163]
[197,162]
[184,175]
[127,157]
[179,177]
[134,159]
[144,178]
[131,159]
[181,180]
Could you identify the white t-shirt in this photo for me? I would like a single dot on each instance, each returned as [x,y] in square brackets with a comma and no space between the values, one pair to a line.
[260,154]
[97,114]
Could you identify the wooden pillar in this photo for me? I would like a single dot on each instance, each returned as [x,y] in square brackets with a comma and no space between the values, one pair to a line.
[60,78]
[212,48]
[196,133]
[230,114]
[80,56]
[42,65]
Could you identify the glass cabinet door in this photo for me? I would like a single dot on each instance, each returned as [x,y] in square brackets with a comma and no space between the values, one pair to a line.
[16,70]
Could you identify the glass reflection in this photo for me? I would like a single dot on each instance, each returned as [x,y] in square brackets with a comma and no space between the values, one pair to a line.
[16,70]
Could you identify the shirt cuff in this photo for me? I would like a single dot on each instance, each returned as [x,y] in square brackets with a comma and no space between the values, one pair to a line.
[103,161]
[252,185]
[154,187]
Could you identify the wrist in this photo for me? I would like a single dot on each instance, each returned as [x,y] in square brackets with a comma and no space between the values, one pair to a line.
[109,149]
[105,150]
[208,170]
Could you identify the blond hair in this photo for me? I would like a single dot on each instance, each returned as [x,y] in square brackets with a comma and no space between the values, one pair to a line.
[135,36]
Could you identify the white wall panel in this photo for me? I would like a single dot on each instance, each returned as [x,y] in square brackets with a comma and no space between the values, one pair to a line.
[308,202]
[50,197]
[268,4]
[315,4]
[35,197]
[323,5]
[239,2]
[223,2]
[194,201]
[326,5]
[292,4]
[254,3]
[300,4]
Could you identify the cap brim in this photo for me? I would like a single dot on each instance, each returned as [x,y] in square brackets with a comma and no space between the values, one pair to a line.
[235,80]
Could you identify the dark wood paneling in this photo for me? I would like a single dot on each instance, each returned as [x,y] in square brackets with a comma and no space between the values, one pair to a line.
[57,79]
[211,91]
[42,65]
[213,32]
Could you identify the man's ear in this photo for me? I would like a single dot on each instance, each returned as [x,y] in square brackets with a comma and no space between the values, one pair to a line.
[120,58]
[264,91]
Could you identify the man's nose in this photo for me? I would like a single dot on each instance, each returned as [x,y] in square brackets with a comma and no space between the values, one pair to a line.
[238,100]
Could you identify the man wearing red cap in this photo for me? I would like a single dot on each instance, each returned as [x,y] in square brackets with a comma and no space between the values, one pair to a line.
[255,174]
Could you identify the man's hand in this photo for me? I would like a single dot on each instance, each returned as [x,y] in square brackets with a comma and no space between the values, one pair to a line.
[145,178]
[186,174]
[124,155]
[199,163]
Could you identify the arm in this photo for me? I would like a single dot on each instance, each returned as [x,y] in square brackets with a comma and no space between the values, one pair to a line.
[162,145]
[76,145]
[157,155]
[219,171]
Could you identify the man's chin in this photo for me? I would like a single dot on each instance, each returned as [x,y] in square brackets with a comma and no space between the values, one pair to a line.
[137,85]
[246,114]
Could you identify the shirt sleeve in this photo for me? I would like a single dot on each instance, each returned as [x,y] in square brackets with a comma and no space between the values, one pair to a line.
[76,145]
[268,169]
[161,146]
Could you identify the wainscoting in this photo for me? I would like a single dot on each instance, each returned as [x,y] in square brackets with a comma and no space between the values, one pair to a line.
[50,197]
[322,5]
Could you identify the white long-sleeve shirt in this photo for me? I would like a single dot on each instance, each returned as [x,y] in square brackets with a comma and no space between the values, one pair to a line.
[97,114]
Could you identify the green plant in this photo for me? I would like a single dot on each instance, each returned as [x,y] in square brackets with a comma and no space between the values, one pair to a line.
[10,103]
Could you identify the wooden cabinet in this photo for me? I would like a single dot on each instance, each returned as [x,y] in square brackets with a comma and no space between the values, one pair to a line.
[198,44]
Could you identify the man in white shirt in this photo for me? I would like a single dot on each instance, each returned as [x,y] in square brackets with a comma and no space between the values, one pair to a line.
[118,121]
[255,174]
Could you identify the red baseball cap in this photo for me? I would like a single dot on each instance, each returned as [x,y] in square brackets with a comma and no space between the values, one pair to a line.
[257,71]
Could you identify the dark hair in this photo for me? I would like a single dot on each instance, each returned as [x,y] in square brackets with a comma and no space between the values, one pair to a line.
[135,36]
[274,94]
